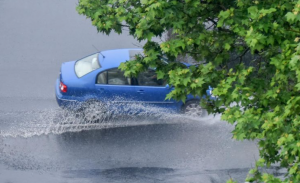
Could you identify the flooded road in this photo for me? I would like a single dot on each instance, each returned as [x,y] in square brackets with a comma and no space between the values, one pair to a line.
[169,149]
[41,143]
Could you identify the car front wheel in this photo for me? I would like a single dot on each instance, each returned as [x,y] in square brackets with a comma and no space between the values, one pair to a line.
[193,108]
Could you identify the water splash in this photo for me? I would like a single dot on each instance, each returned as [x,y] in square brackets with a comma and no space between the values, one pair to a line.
[45,122]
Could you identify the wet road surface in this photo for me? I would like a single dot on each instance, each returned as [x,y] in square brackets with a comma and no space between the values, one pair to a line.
[35,38]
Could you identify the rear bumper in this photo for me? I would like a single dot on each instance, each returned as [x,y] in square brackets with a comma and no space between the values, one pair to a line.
[65,102]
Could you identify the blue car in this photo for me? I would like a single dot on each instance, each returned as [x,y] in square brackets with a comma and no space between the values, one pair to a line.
[96,82]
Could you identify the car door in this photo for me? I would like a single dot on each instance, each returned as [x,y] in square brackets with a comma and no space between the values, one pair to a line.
[150,90]
[113,87]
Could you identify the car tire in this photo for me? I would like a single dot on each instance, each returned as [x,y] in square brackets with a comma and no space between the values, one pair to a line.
[193,108]
[94,112]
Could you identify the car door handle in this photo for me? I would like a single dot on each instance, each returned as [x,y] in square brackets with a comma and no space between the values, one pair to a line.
[140,91]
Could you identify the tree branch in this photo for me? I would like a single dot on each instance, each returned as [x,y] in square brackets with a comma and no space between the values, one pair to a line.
[123,25]
[243,54]
[293,30]
[212,20]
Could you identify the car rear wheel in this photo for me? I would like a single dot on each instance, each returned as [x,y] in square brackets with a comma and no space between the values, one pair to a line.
[193,108]
[94,111]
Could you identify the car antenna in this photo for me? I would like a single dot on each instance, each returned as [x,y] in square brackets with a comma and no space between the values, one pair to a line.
[98,51]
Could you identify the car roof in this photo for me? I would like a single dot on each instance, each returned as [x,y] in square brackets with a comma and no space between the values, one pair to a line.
[113,58]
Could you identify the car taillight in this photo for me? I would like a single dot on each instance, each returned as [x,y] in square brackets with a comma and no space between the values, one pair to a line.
[63,87]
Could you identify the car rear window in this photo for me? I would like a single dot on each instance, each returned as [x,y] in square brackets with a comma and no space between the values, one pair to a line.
[87,65]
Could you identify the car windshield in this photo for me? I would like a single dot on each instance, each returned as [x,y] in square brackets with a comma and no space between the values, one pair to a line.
[87,65]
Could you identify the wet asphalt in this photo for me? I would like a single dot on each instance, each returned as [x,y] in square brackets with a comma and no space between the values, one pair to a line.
[36,36]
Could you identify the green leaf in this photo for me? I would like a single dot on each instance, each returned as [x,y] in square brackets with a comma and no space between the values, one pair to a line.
[185,81]
[290,17]
[160,74]
[295,60]
[298,86]
[144,2]
[253,11]
[227,46]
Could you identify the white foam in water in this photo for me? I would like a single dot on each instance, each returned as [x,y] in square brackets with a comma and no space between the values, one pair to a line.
[36,123]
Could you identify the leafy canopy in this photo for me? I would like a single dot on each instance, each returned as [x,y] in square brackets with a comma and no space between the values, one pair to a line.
[260,95]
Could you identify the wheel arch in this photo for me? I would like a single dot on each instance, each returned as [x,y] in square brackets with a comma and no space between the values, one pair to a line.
[188,101]
[89,100]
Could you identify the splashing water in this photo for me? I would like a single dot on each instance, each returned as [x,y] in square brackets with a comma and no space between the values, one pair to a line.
[45,122]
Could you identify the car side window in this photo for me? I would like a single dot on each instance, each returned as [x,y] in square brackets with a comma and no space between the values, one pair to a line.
[113,77]
[149,78]
[102,78]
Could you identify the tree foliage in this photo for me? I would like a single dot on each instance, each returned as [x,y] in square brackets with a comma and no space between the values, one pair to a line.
[261,97]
